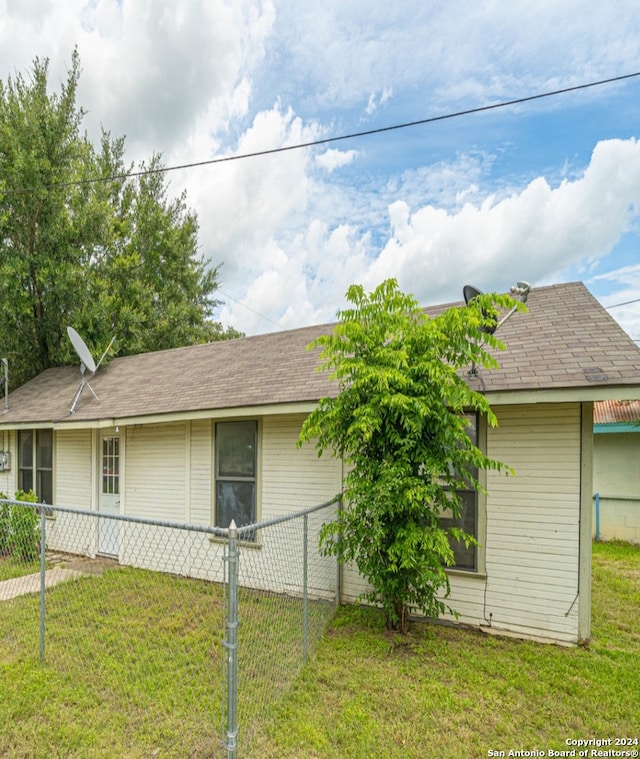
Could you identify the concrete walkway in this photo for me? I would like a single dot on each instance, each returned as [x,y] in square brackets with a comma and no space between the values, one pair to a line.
[20,586]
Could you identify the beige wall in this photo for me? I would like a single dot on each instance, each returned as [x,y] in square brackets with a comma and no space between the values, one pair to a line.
[532,554]
[168,471]
[616,477]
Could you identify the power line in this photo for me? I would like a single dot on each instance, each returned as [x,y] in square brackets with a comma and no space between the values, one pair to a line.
[626,303]
[327,140]
[257,313]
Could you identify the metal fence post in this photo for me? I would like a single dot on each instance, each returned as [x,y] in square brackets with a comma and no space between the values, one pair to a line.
[597,497]
[305,590]
[231,644]
[43,569]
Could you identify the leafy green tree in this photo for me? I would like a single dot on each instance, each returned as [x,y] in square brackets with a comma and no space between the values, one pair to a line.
[116,256]
[43,249]
[398,423]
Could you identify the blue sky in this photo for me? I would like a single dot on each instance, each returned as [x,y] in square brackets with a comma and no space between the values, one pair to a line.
[547,191]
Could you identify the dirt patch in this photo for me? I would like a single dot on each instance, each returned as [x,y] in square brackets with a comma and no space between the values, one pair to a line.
[82,564]
[91,566]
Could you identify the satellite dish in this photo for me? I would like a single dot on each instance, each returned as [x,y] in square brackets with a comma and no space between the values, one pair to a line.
[470,292]
[83,352]
[86,362]
[520,290]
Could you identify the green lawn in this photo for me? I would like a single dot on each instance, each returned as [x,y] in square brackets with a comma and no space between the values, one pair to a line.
[11,568]
[447,692]
[133,665]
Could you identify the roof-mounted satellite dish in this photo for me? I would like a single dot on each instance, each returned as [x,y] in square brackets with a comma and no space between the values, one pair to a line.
[520,290]
[80,347]
[86,362]
[470,292]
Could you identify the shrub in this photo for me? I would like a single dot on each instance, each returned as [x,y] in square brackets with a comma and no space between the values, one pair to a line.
[24,538]
[5,526]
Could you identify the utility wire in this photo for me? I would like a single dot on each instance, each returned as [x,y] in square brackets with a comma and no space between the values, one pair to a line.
[626,303]
[327,140]
[257,313]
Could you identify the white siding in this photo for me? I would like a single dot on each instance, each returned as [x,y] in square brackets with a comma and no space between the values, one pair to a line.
[8,478]
[156,487]
[532,518]
[532,552]
[155,473]
[293,478]
[200,502]
[169,477]
[73,488]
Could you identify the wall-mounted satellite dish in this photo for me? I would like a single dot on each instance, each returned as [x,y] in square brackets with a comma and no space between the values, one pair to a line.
[86,362]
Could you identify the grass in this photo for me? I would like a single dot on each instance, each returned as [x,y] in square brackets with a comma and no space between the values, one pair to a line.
[134,666]
[134,663]
[11,568]
[446,692]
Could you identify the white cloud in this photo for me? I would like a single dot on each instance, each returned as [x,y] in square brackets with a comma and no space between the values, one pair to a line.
[532,235]
[623,300]
[335,159]
[535,234]
[376,100]
[150,67]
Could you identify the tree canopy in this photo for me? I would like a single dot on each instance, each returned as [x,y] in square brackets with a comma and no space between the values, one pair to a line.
[398,422]
[83,243]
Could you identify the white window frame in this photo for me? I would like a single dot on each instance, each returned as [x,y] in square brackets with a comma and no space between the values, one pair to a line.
[236,478]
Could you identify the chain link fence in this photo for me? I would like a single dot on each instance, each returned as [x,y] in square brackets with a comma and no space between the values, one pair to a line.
[185,637]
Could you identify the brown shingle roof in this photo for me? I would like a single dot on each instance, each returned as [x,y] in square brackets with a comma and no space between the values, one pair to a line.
[565,341]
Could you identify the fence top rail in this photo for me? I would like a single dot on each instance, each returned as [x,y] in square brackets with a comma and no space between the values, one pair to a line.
[249,528]
[220,532]
[217,531]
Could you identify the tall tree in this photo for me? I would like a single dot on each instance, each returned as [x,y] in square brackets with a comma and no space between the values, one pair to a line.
[399,423]
[109,257]
[42,248]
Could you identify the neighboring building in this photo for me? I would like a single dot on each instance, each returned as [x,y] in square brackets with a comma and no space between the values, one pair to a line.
[616,470]
[203,433]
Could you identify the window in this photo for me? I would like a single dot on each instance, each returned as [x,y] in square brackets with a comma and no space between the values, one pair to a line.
[235,473]
[35,463]
[111,465]
[466,558]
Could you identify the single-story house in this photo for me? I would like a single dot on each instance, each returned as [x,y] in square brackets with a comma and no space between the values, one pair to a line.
[203,433]
[616,470]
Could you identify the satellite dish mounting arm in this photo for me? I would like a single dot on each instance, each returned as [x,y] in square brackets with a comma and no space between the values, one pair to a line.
[86,362]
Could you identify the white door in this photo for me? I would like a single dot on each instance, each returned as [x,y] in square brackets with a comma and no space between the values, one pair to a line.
[109,529]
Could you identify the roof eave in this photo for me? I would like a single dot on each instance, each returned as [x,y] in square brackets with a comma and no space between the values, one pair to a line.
[581,394]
